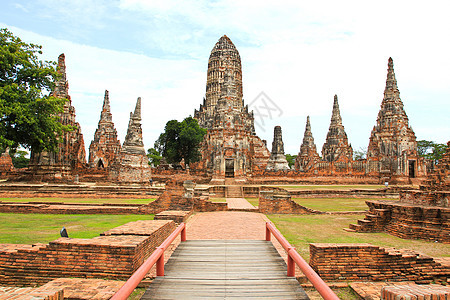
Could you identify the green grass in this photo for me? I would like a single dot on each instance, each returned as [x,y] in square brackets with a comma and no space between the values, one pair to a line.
[332,187]
[217,199]
[81,200]
[301,230]
[41,228]
[334,204]
[253,201]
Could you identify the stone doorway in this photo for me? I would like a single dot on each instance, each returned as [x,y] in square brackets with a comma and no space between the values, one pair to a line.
[229,168]
[412,168]
[100,164]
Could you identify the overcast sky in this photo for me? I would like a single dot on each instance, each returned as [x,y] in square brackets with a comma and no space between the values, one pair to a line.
[299,53]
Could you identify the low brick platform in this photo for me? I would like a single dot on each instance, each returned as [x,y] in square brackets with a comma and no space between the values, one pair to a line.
[415,292]
[84,289]
[366,262]
[40,293]
[114,255]
[178,216]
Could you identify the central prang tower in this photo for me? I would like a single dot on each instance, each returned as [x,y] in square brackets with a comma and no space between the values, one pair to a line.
[230,148]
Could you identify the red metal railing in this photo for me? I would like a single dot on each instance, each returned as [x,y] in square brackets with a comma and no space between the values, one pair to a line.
[295,258]
[156,257]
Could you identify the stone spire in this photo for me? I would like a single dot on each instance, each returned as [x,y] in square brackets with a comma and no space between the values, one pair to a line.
[308,151]
[105,147]
[336,146]
[224,66]
[392,134]
[71,153]
[277,160]
[133,143]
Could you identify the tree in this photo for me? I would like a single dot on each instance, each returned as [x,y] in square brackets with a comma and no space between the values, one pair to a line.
[290,159]
[181,140]
[154,158]
[431,150]
[360,154]
[19,159]
[28,114]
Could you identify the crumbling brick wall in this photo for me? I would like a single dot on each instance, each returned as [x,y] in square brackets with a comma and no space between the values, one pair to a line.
[278,201]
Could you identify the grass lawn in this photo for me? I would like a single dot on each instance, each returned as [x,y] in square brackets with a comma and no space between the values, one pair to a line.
[334,204]
[81,200]
[253,201]
[217,199]
[332,187]
[301,230]
[41,228]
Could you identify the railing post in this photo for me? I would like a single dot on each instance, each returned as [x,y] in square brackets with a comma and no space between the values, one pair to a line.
[267,232]
[290,263]
[183,234]
[160,264]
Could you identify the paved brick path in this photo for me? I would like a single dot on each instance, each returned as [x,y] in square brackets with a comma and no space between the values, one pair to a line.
[239,203]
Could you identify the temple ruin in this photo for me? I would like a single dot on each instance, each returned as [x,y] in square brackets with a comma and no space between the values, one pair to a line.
[308,155]
[230,148]
[71,154]
[105,146]
[277,160]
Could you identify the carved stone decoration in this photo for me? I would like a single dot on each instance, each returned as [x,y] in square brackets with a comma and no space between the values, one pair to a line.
[105,147]
[132,164]
[336,147]
[392,140]
[71,155]
[308,155]
[230,148]
[277,160]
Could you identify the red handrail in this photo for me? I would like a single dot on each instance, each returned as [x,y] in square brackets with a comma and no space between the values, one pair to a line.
[294,257]
[156,257]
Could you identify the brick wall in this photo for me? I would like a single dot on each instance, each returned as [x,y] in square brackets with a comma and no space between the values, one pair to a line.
[114,255]
[278,201]
[366,262]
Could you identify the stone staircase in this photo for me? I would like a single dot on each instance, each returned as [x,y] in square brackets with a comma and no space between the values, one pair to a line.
[234,191]
[374,221]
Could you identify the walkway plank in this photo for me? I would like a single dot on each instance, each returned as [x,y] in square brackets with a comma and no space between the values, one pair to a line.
[225,269]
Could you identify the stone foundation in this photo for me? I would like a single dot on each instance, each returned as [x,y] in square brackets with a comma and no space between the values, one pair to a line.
[366,262]
[414,291]
[114,255]
[278,201]
[178,216]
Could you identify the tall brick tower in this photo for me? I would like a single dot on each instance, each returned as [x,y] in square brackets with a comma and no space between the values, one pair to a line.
[392,140]
[71,153]
[230,148]
[308,155]
[336,147]
[105,147]
[277,160]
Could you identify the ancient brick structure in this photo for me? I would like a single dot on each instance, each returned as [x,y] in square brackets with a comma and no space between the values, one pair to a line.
[308,156]
[132,163]
[6,164]
[439,179]
[366,262]
[392,141]
[277,160]
[116,254]
[274,200]
[71,155]
[336,147]
[230,148]
[105,147]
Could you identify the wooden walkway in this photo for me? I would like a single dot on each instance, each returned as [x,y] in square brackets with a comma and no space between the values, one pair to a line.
[212,269]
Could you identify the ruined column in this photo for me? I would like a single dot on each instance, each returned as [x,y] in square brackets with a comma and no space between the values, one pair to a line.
[308,155]
[277,160]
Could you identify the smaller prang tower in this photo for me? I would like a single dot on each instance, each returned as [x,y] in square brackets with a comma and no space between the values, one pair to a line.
[277,160]
[308,156]
[336,147]
[105,147]
[132,164]
[392,141]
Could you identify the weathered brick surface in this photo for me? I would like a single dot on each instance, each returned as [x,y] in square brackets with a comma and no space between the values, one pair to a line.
[415,292]
[406,220]
[178,216]
[114,255]
[278,201]
[40,293]
[356,262]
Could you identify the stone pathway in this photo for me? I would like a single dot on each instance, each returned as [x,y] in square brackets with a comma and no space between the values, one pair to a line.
[239,203]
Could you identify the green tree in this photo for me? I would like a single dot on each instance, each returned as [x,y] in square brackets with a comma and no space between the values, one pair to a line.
[431,150]
[360,154]
[291,159]
[28,114]
[181,140]
[19,159]
[154,158]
